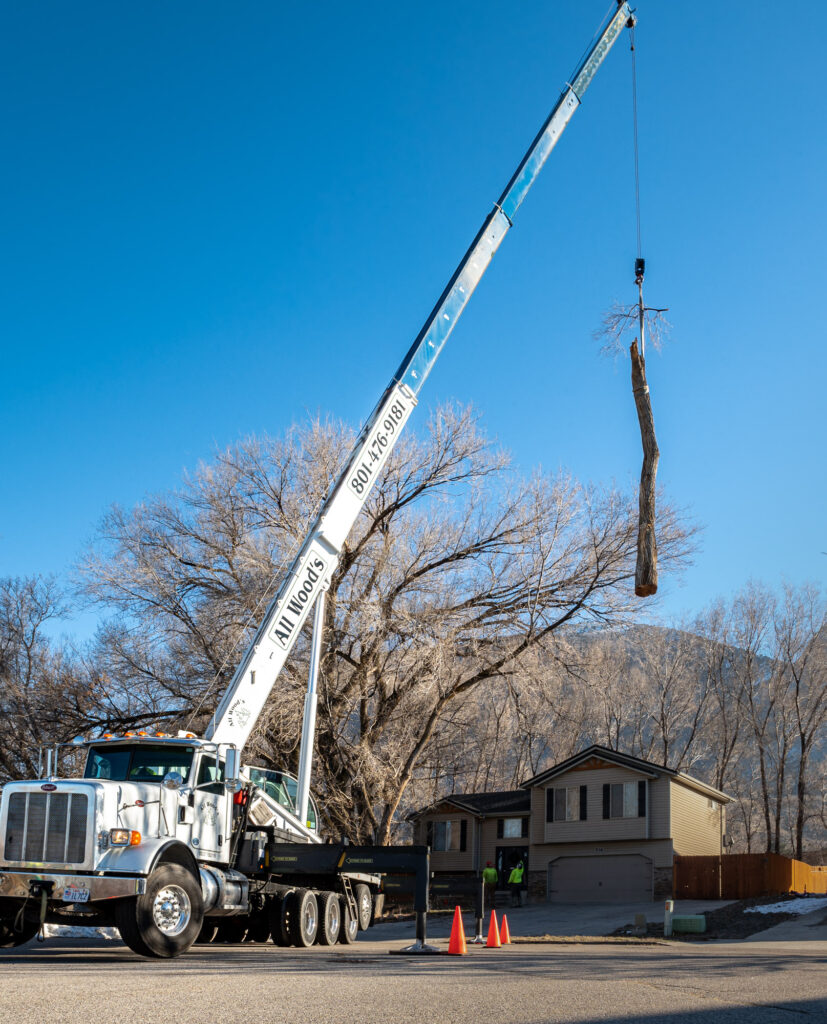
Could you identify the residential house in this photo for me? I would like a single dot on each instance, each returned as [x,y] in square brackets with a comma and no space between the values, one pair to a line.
[600,826]
[467,830]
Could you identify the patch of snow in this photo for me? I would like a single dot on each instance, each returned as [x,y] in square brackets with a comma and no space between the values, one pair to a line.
[71,931]
[804,905]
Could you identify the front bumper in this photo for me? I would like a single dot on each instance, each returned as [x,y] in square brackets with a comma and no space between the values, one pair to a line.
[18,885]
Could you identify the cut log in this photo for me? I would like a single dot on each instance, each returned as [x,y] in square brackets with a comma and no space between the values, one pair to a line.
[646,571]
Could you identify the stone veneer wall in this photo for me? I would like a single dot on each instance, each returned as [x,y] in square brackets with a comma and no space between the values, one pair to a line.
[662,887]
[536,881]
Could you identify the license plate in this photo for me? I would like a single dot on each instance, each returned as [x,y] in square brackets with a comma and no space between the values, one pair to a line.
[73,894]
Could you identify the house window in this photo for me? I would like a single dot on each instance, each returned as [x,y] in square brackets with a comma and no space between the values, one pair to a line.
[446,836]
[566,803]
[624,800]
[512,828]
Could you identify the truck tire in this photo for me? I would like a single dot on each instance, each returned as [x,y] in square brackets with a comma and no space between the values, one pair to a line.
[304,925]
[11,936]
[280,919]
[349,931]
[330,918]
[166,920]
[364,902]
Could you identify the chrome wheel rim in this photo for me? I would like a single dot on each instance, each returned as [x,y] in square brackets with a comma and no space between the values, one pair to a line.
[365,906]
[333,917]
[171,910]
[310,917]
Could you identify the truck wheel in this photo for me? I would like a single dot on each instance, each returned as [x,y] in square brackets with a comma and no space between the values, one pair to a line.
[330,918]
[11,937]
[349,931]
[280,919]
[304,926]
[166,919]
[364,902]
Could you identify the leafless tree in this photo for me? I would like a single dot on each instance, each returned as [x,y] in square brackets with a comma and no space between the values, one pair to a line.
[801,642]
[619,322]
[50,692]
[456,571]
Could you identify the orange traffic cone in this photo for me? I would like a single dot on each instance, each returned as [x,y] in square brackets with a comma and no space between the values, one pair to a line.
[456,945]
[493,932]
[505,934]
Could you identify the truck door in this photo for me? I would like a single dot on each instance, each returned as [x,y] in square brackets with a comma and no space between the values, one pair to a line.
[211,811]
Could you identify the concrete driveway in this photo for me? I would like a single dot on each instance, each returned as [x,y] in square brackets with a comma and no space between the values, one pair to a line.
[555,918]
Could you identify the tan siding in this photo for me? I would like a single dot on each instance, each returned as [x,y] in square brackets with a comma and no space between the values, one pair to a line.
[659,851]
[451,860]
[659,808]
[537,827]
[696,829]
[490,842]
[595,827]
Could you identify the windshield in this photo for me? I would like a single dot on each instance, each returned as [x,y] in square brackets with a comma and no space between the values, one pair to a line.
[141,763]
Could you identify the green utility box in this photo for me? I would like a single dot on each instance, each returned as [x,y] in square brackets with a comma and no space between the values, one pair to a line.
[688,923]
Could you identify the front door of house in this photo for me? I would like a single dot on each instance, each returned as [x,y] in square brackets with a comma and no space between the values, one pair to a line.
[508,857]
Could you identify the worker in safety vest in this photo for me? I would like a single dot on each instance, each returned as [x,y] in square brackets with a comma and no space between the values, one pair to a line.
[490,879]
[515,884]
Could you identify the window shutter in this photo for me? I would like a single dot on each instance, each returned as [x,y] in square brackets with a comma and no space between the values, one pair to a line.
[429,834]
[524,828]
[607,796]
[549,805]
[583,810]
[463,834]
[641,799]
[499,828]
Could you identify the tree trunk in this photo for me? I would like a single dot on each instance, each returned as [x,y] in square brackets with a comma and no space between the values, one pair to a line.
[801,799]
[646,572]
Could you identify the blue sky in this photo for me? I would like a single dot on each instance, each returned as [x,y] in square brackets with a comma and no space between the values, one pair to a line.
[220,217]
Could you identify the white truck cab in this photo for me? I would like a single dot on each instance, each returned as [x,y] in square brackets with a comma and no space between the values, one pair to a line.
[146,804]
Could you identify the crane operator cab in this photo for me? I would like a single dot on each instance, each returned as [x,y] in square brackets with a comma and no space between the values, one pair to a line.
[283,788]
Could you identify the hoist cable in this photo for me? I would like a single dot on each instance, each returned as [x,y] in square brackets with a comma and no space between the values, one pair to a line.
[635,136]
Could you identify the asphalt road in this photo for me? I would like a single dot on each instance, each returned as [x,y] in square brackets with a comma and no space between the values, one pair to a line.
[723,983]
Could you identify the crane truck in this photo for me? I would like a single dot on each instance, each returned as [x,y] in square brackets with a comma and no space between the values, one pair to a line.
[170,837]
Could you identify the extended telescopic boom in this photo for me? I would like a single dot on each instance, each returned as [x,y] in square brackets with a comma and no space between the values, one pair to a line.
[311,570]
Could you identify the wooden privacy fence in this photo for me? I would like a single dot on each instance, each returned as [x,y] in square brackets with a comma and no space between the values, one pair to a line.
[738,876]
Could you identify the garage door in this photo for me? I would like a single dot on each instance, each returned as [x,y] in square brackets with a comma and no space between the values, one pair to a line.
[626,878]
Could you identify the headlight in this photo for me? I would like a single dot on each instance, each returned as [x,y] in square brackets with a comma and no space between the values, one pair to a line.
[123,837]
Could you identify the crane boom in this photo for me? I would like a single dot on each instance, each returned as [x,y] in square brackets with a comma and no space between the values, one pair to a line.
[310,572]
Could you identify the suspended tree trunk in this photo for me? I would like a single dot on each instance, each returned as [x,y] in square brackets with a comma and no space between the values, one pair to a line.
[646,572]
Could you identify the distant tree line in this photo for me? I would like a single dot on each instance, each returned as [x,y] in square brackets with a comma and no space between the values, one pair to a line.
[480,624]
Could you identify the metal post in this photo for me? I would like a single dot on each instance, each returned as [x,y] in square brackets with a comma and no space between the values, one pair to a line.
[479,913]
[309,720]
[423,876]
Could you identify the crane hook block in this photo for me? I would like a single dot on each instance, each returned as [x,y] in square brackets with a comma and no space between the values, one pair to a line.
[640,268]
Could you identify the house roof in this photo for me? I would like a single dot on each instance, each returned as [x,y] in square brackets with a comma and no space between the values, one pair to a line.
[603,754]
[484,805]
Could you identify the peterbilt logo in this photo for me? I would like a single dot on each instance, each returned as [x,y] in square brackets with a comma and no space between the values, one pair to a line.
[298,599]
[47,787]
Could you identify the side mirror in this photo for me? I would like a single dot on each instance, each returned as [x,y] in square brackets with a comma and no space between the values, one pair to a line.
[173,781]
[233,785]
[232,769]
